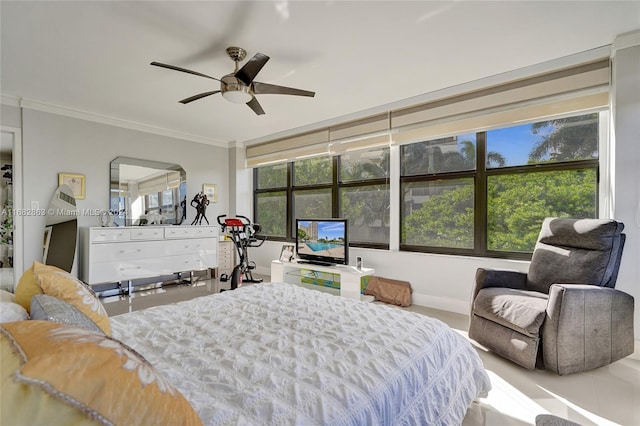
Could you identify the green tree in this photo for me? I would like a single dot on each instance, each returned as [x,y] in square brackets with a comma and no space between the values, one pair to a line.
[571,138]
[444,219]
[518,203]
[366,206]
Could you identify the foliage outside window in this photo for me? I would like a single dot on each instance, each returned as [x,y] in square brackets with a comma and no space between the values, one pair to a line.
[364,195]
[271,213]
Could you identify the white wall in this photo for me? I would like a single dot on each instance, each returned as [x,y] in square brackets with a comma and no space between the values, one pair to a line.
[626,164]
[54,143]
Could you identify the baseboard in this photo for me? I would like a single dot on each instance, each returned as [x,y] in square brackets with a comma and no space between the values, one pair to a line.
[441,303]
[636,352]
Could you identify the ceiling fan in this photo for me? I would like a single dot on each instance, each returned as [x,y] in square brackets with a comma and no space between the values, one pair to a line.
[239,86]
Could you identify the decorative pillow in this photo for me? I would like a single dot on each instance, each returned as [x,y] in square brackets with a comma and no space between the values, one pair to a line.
[6,296]
[27,288]
[10,312]
[49,308]
[62,285]
[57,374]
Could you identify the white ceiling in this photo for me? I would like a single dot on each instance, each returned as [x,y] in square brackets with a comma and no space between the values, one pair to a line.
[94,56]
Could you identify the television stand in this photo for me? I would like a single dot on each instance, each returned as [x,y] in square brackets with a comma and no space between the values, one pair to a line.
[349,276]
[315,262]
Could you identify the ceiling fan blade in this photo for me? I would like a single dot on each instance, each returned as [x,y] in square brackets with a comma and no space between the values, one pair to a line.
[173,67]
[255,106]
[272,89]
[248,72]
[198,96]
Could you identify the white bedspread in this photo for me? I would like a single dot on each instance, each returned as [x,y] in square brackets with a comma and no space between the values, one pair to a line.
[281,354]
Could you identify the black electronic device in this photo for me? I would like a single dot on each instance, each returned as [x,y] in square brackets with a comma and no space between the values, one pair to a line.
[322,241]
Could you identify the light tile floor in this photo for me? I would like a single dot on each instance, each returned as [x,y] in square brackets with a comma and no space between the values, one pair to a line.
[605,396]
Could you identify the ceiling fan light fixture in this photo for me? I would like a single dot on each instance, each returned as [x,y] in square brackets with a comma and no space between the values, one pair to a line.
[237,96]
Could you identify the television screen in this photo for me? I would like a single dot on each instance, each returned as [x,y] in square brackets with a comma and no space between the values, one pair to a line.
[322,241]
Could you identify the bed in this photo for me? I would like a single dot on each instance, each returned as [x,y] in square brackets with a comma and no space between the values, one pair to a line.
[278,353]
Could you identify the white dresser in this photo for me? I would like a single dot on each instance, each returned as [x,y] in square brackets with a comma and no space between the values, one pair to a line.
[126,253]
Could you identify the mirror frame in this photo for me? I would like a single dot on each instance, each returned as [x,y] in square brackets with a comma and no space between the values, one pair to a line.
[115,192]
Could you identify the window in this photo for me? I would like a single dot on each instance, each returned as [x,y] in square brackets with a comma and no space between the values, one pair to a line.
[354,186]
[453,203]
[271,199]
[364,196]
[547,168]
[437,191]
[482,193]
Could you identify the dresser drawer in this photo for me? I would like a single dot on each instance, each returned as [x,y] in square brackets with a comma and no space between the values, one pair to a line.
[225,247]
[101,235]
[187,246]
[151,233]
[225,261]
[106,252]
[190,232]
[192,262]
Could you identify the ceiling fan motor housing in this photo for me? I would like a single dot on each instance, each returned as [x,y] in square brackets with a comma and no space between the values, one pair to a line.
[235,90]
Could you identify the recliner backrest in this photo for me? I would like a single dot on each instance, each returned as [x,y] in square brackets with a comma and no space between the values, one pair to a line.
[576,251]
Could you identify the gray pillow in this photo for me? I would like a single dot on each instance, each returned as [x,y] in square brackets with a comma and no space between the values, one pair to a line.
[49,308]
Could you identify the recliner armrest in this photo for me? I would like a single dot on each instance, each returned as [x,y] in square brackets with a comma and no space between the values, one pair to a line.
[486,277]
[586,327]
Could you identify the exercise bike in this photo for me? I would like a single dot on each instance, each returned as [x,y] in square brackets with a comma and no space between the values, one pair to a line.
[244,235]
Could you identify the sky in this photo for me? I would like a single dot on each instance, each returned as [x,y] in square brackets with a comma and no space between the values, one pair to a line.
[514,143]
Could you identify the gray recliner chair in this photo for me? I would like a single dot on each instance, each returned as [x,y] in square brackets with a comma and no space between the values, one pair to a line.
[564,313]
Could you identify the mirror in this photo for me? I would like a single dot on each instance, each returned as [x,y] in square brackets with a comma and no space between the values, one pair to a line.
[145,192]
[61,229]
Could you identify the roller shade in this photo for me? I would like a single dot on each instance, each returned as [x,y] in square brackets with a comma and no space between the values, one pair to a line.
[492,119]
[573,89]
[159,183]
[360,134]
[288,148]
[289,155]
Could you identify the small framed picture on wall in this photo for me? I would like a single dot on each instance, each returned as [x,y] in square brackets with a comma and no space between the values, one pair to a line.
[75,182]
[211,191]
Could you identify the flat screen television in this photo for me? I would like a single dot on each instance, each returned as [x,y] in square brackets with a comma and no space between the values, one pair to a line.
[322,241]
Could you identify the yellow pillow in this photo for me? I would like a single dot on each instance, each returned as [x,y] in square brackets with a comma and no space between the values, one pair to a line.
[60,284]
[57,374]
[26,289]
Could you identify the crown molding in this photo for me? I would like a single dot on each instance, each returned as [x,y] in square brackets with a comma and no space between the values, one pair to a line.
[105,119]
[625,40]
[9,100]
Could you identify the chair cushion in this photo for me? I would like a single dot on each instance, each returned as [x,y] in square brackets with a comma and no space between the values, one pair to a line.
[519,310]
[571,251]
